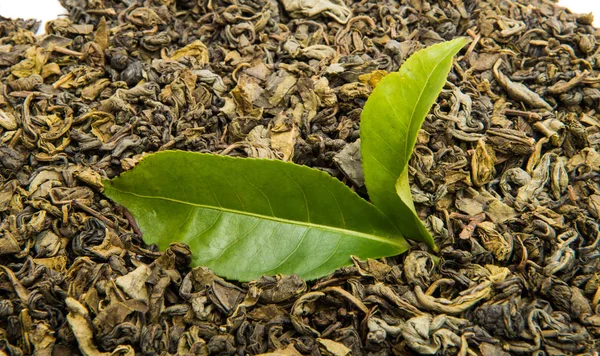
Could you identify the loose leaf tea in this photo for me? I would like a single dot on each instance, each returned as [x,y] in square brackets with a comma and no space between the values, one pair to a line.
[245,218]
[390,123]
[505,175]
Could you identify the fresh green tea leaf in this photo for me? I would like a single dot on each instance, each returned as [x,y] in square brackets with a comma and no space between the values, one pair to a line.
[390,122]
[245,218]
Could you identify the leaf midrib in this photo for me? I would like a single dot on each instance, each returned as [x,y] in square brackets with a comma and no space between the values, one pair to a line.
[271,218]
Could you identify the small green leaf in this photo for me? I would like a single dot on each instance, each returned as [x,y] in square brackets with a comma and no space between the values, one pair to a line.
[390,122]
[245,218]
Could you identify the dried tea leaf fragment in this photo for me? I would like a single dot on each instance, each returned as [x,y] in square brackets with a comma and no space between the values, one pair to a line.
[101,37]
[35,59]
[283,137]
[78,319]
[275,290]
[8,121]
[482,164]
[519,91]
[588,157]
[42,338]
[428,334]
[144,16]
[134,283]
[499,211]
[290,350]
[335,9]
[332,348]
[196,49]
[9,244]
[418,267]
[553,129]
[594,205]
[349,161]
[494,241]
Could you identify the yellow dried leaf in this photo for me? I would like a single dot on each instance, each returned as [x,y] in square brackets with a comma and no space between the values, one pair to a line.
[50,69]
[373,78]
[196,49]
[35,59]
[92,91]
[101,36]
[283,142]
[482,164]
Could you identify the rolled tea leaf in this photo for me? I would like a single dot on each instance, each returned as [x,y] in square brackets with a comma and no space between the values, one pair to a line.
[390,122]
[245,218]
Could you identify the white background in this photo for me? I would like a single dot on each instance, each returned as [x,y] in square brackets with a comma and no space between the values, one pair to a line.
[49,9]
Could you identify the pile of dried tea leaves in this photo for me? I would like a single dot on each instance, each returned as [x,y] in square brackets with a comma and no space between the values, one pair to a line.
[506,174]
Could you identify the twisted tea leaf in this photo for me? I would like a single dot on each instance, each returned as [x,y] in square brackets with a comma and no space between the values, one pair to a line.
[390,122]
[245,218]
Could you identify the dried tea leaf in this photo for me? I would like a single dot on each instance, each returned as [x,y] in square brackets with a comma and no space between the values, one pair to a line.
[196,49]
[9,244]
[348,160]
[332,348]
[493,241]
[482,164]
[373,78]
[283,137]
[290,350]
[499,211]
[134,283]
[519,91]
[246,218]
[42,339]
[78,319]
[35,59]
[390,123]
[8,120]
[335,9]
[553,129]
[101,35]
[469,206]
[588,156]
[428,334]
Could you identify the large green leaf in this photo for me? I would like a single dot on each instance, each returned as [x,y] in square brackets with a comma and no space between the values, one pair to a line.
[245,218]
[390,122]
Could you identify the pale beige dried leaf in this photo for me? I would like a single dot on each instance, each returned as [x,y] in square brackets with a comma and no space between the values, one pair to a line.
[196,49]
[332,348]
[134,282]
[101,35]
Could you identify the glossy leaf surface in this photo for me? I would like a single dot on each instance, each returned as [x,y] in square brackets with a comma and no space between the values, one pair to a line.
[390,122]
[245,218]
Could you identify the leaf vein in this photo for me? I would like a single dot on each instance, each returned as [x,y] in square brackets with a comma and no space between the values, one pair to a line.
[262,245]
[180,187]
[271,218]
[234,192]
[261,192]
[303,195]
[387,143]
[339,208]
[208,228]
[383,166]
[238,239]
[291,253]
[337,247]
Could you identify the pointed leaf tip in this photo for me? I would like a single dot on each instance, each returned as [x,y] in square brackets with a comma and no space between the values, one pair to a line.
[390,122]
